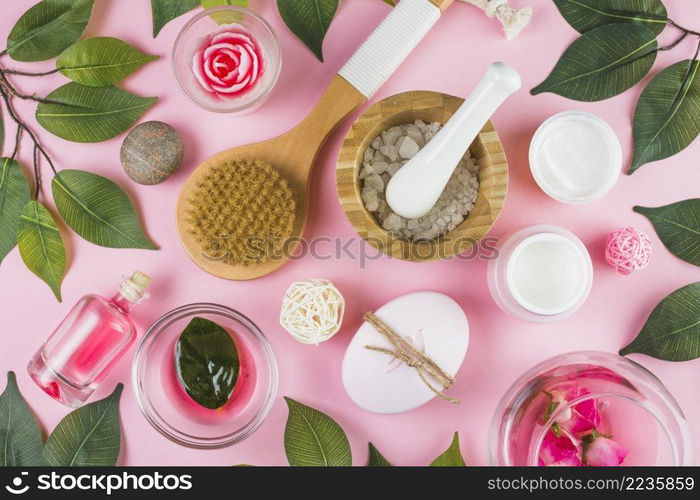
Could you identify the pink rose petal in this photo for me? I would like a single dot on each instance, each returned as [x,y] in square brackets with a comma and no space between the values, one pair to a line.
[584,417]
[604,452]
[560,451]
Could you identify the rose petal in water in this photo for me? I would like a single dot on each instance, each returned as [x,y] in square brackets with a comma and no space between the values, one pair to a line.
[558,400]
[604,452]
[560,451]
[582,417]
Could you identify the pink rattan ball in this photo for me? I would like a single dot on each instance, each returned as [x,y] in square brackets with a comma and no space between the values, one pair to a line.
[628,250]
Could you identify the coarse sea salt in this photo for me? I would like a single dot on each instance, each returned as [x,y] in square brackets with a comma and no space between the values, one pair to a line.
[387,154]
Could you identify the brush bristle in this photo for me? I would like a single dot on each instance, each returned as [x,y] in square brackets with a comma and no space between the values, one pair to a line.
[241,212]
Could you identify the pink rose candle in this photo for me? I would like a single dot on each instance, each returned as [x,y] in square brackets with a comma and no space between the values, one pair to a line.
[227,59]
[229,63]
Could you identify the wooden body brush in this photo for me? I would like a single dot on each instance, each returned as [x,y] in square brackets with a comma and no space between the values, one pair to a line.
[293,155]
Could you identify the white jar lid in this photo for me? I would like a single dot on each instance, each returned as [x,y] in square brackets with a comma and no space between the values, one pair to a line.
[575,157]
[549,273]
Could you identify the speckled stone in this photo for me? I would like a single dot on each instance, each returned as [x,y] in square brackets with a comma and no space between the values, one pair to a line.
[151,152]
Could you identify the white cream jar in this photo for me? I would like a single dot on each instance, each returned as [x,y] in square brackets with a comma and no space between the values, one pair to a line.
[542,273]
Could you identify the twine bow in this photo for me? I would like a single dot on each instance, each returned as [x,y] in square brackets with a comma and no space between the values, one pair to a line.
[426,368]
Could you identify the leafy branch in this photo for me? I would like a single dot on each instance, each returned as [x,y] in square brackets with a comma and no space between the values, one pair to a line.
[89,109]
[616,50]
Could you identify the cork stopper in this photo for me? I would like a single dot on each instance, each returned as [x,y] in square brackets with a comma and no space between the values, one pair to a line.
[134,288]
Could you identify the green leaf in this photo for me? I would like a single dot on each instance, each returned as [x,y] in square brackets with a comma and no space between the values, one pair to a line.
[101,61]
[309,20]
[98,210]
[602,63]
[376,459]
[313,439]
[14,194]
[2,131]
[20,436]
[206,361]
[584,15]
[41,246]
[226,17]
[208,4]
[87,437]
[672,332]
[678,227]
[90,114]
[165,11]
[667,117]
[452,457]
[48,28]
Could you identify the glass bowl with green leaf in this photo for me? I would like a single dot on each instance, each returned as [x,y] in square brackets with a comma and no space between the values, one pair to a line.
[205,376]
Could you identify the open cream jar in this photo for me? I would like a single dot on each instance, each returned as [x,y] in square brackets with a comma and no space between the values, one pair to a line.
[542,273]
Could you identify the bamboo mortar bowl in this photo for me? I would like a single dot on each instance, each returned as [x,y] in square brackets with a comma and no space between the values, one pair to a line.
[402,109]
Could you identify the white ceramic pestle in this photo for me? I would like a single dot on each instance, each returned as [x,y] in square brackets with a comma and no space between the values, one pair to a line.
[416,187]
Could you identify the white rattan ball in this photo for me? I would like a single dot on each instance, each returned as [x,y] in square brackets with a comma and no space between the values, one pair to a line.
[312,310]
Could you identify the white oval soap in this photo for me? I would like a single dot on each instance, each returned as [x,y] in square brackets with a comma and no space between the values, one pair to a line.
[433,323]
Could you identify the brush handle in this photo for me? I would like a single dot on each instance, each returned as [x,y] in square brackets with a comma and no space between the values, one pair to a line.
[379,56]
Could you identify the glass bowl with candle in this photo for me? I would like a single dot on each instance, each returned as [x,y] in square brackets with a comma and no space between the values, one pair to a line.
[165,401]
[227,59]
[589,409]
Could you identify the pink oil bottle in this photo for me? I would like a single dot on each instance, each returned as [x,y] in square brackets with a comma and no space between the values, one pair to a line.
[88,343]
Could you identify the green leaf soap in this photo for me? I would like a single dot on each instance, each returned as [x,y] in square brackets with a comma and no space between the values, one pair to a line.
[207,363]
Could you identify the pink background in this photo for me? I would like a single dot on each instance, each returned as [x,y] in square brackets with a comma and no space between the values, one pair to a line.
[451,59]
